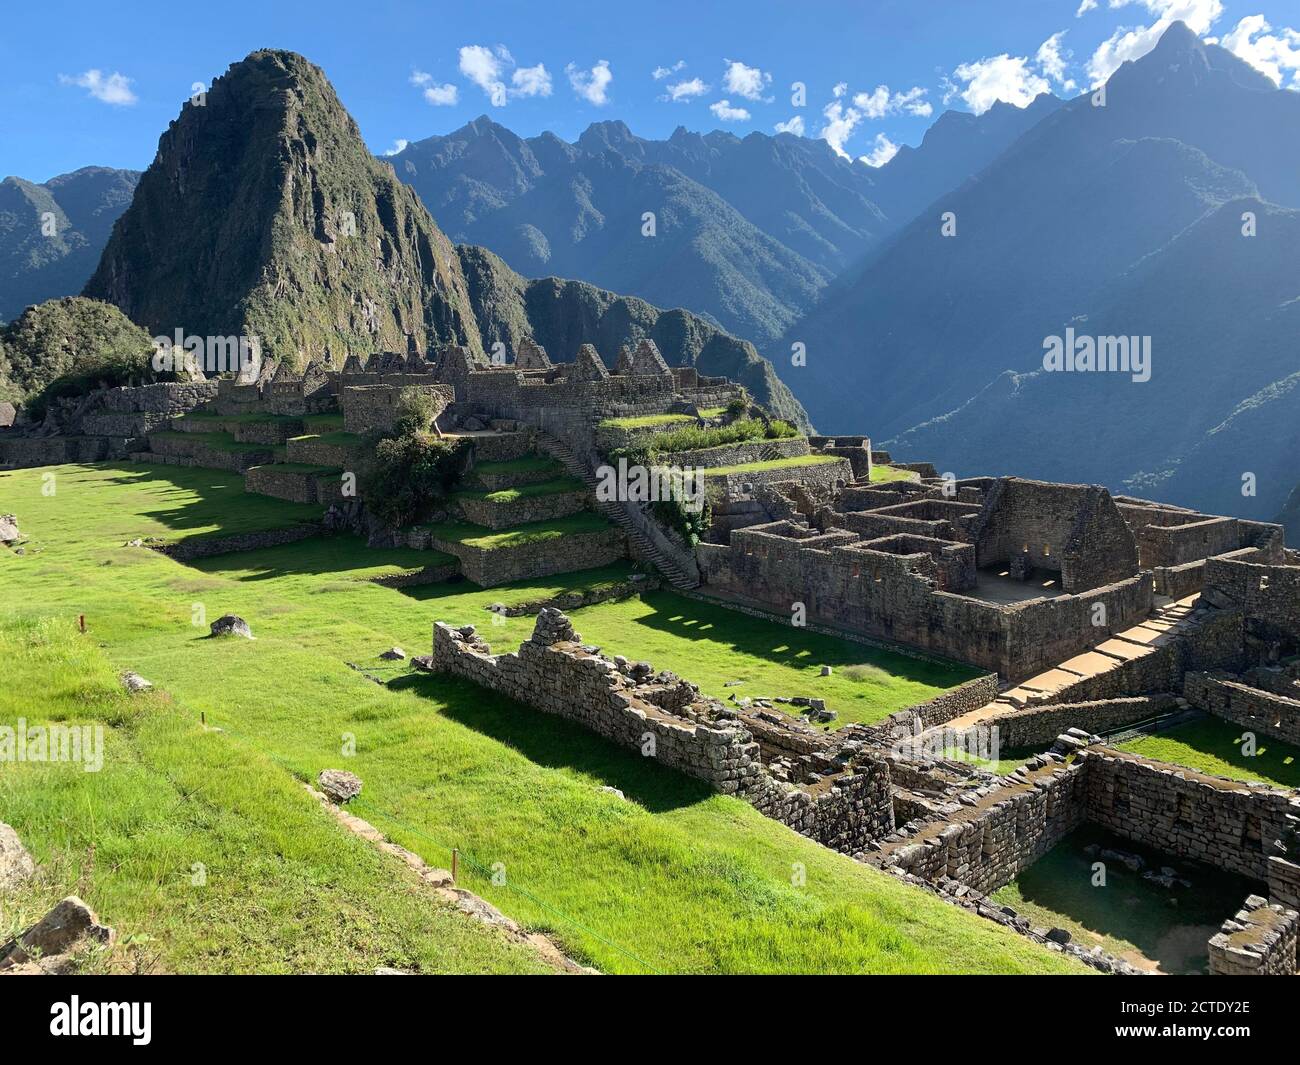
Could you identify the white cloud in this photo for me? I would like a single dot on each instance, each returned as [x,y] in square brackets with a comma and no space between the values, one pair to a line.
[487,68]
[531,81]
[684,91]
[1053,61]
[882,102]
[748,82]
[111,89]
[882,151]
[1272,54]
[399,145]
[841,87]
[840,124]
[659,73]
[1010,79]
[437,95]
[724,112]
[1127,43]
[484,68]
[591,85]
[1085,7]
[794,125]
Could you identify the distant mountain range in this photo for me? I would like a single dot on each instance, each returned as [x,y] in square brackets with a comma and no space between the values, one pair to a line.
[748,231]
[1171,212]
[264,214]
[51,235]
[1127,219]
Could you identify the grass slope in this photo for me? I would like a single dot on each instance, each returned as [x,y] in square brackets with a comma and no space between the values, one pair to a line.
[203,853]
[447,764]
[1213,746]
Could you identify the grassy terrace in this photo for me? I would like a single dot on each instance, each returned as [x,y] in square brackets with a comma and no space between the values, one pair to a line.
[298,467]
[771,464]
[645,421]
[216,441]
[444,764]
[889,473]
[461,532]
[1211,745]
[338,439]
[526,464]
[510,495]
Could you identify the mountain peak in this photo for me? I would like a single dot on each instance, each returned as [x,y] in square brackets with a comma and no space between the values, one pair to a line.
[279,223]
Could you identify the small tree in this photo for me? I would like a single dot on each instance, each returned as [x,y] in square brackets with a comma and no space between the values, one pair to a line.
[409,475]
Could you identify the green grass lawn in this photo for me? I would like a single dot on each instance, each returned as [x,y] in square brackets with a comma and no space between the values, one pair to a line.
[510,495]
[889,473]
[771,464]
[676,879]
[1212,745]
[204,853]
[1128,916]
[463,532]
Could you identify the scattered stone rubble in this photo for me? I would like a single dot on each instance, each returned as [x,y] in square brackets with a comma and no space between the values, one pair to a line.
[52,945]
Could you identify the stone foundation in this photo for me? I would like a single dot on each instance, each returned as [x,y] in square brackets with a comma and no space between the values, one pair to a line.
[1259,941]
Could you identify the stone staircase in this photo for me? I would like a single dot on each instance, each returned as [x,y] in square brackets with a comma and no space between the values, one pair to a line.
[642,543]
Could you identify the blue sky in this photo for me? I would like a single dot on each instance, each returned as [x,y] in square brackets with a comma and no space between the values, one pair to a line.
[88,83]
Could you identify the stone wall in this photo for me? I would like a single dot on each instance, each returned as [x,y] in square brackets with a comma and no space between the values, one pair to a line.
[1268,596]
[375,407]
[665,718]
[489,567]
[733,486]
[1260,711]
[521,511]
[738,454]
[988,844]
[972,695]
[1259,941]
[1038,726]
[1075,530]
[193,547]
[845,584]
[1220,822]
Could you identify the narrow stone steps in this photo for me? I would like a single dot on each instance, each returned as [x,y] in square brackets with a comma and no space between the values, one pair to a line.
[617,513]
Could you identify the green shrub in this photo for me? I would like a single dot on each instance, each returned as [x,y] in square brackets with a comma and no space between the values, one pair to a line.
[416,411]
[410,474]
[696,438]
[689,522]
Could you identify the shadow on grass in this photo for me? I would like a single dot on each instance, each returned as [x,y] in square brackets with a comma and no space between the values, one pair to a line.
[555,743]
[222,501]
[785,645]
[322,555]
[1170,926]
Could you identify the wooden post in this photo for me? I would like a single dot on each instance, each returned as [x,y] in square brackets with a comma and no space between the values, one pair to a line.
[455,860]
[81,621]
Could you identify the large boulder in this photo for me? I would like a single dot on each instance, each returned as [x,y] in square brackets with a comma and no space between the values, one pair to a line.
[231,625]
[16,865]
[133,682]
[9,533]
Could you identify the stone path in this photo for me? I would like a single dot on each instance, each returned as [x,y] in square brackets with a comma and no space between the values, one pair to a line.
[1140,640]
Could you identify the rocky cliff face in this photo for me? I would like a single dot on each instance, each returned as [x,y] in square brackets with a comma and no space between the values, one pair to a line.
[264,214]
